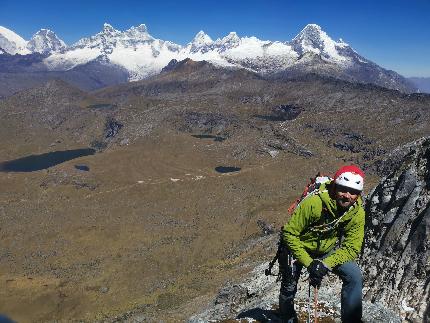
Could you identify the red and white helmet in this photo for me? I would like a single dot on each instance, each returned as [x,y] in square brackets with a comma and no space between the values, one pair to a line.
[350,176]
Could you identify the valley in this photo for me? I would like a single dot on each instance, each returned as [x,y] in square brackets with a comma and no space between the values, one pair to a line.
[152,228]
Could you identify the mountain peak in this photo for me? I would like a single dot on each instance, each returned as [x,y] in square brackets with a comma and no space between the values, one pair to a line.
[45,41]
[108,29]
[232,35]
[141,28]
[202,38]
[44,31]
[229,41]
[200,43]
[313,40]
[139,33]
[313,27]
[107,26]
[311,31]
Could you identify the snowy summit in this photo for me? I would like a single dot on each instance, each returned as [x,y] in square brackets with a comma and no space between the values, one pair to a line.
[201,42]
[312,39]
[45,41]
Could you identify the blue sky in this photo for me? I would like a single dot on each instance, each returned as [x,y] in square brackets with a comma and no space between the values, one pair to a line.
[394,34]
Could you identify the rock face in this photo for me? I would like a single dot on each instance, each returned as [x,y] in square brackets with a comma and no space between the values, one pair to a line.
[396,261]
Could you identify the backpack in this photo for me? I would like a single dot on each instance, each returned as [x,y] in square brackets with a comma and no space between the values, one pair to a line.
[311,188]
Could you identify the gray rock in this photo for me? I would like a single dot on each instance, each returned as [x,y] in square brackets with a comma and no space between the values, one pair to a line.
[260,301]
[232,294]
[396,252]
[273,153]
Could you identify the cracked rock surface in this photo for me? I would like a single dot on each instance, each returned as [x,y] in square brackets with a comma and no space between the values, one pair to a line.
[396,255]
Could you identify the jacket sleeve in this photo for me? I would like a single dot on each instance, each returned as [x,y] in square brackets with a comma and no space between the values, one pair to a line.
[351,245]
[302,217]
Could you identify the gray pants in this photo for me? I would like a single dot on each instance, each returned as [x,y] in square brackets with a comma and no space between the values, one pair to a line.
[351,298]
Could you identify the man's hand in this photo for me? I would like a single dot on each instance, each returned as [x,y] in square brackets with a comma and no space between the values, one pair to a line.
[317,270]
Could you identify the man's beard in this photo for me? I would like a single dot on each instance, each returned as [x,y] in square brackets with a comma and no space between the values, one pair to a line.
[344,202]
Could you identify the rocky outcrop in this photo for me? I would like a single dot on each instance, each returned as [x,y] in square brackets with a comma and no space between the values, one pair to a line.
[256,299]
[396,259]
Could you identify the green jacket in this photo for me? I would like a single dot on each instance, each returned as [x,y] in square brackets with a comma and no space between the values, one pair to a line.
[316,225]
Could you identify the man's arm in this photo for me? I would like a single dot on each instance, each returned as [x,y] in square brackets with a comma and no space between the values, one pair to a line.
[302,217]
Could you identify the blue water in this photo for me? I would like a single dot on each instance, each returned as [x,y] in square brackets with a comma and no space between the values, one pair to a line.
[38,162]
[227,169]
[84,168]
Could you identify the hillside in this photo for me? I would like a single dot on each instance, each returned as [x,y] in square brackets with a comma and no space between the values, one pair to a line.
[150,226]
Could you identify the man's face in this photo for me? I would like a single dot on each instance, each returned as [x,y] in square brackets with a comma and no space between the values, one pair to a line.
[346,196]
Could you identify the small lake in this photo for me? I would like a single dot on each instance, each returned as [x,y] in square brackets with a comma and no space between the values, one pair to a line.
[83,168]
[227,169]
[38,162]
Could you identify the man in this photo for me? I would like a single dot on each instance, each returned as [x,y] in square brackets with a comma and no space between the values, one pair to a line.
[324,234]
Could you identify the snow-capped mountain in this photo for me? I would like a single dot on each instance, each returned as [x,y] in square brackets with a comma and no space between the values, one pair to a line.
[12,43]
[134,49]
[314,40]
[201,42]
[142,55]
[45,41]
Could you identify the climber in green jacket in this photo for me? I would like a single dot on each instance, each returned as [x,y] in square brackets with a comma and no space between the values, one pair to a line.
[325,233]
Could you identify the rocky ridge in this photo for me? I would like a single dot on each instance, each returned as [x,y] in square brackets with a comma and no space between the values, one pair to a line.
[396,255]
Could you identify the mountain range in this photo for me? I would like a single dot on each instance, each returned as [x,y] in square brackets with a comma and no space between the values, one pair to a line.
[134,55]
